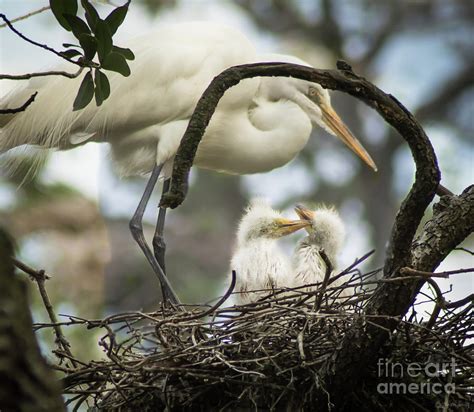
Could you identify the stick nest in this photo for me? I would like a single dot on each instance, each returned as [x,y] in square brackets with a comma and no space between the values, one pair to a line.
[269,355]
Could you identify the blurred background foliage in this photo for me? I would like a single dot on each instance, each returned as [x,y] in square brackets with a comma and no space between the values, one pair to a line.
[420,51]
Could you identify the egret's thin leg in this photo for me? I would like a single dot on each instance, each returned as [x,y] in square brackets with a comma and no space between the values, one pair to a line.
[159,245]
[136,228]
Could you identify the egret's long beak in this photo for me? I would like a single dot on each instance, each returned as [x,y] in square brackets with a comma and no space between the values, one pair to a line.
[287,226]
[337,126]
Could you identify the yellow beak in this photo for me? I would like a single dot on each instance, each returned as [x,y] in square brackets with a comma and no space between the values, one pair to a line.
[287,226]
[337,126]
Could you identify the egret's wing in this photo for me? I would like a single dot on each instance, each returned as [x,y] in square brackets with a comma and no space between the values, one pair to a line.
[172,68]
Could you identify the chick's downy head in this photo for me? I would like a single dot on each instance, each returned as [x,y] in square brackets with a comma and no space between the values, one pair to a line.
[326,230]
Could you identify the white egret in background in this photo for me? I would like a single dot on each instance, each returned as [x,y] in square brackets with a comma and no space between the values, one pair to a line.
[259,264]
[259,125]
[326,232]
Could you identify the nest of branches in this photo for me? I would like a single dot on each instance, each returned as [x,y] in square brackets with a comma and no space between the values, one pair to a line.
[271,354]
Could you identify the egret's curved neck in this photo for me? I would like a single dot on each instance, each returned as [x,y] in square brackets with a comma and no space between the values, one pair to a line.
[265,136]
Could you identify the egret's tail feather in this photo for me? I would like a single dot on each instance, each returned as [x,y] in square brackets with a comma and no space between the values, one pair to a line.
[24,162]
[47,122]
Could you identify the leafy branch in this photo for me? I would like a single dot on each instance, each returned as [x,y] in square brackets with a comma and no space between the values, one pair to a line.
[95,39]
[95,49]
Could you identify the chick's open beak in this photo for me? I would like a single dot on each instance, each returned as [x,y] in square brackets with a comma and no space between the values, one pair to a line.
[287,226]
[335,123]
[304,213]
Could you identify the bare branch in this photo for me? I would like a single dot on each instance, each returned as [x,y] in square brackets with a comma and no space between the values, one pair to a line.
[27,381]
[26,16]
[40,278]
[35,43]
[445,274]
[22,108]
[27,76]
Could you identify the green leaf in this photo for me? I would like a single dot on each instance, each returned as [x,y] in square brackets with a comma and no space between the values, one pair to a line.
[78,25]
[92,16]
[102,87]
[116,17]
[116,63]
[89,45]
[127,53]
[67,45]
[71,53]
[85,93]
[104,40]
[61,7]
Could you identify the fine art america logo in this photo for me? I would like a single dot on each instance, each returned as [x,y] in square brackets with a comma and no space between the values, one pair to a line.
[415,378]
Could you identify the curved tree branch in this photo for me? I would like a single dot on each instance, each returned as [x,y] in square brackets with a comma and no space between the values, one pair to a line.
[362,344]
[427,172]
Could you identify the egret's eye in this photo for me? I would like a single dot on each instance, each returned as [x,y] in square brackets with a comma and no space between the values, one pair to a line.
[315,94]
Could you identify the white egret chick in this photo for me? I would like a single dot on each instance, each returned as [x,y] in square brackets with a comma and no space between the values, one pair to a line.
[259,263]
[326,232]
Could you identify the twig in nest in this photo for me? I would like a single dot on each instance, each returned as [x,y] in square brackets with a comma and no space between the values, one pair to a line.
[267,352]
[439,303]
[329,268]
[212,309]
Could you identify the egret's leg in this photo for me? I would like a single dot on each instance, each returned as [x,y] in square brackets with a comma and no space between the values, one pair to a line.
[159,245]
[136,228]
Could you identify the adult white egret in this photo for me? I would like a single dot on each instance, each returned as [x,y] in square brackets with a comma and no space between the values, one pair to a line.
[326,232]
[259,125]
[259,263]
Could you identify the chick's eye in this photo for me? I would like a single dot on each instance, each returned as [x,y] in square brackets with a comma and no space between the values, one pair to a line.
[313,91]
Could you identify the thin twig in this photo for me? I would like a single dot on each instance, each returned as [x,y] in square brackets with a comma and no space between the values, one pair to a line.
[445,274]
[35,43]
[461,302]
[40,278]
[329,267]
[22,108]
[440,303]
[27,76]
[463,249]
[26,16]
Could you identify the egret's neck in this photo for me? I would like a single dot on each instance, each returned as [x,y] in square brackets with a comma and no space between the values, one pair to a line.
[257,139]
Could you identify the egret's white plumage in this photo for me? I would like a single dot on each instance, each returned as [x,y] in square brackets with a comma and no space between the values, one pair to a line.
[260,124]
[259,263]
[326,233]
